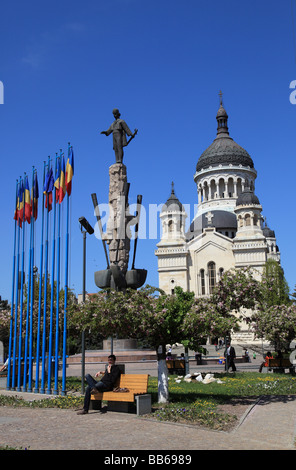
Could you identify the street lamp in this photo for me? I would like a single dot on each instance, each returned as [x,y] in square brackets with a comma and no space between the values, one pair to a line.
[84,224]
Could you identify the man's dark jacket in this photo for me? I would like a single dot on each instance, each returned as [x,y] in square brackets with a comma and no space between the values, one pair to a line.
[109,380]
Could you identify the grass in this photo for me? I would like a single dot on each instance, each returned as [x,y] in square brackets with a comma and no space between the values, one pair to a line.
[193,403]
[197,403]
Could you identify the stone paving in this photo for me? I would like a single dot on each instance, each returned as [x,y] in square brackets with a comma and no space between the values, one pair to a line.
[269,425]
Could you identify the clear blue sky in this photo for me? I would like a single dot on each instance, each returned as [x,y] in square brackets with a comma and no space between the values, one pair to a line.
[66,64]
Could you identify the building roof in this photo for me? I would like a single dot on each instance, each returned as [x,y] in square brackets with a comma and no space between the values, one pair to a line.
[224,150]
[247,198]
[221,220]
[173,203]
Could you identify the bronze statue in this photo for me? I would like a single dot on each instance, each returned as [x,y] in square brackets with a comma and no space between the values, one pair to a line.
[120,129]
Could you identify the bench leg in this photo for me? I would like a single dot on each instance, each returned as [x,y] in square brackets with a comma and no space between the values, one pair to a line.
[95,405]
[143,403]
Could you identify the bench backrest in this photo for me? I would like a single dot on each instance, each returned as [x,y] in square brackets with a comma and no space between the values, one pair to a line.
[175,364]
[134,382]
[280,362]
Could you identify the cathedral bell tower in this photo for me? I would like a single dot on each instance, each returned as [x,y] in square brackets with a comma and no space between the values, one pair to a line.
[172,252]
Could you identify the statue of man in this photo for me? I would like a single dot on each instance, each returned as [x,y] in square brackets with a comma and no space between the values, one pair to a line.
[120,129]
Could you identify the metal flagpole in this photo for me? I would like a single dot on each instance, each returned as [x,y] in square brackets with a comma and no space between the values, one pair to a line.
[57,300]
[21,309]
[17,292]
[65,302]
[12,290]
[36,390]
[42,389]
[52,294]
[28,312]
[32,290]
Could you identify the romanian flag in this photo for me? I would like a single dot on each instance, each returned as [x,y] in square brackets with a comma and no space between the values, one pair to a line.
[34,197]
[48,188]
[18,205]
[57,179]
[69,171]
[62,188]
[16,211]
[21,203]
[27,202]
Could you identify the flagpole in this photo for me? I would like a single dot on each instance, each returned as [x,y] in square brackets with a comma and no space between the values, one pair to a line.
[21,309]
[36,390]
[28,313]
[42,390]
[16,303]
[66,299]
[12,292]
[32,290]
[52,294]
[57,299]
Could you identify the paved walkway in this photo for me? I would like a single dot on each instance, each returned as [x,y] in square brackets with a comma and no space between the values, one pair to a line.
[269,425]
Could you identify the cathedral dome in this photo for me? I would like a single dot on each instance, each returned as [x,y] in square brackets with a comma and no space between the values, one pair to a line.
[267,232]
[224,150]
[246,198]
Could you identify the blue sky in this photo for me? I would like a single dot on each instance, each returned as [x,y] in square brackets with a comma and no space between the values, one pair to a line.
[66,64]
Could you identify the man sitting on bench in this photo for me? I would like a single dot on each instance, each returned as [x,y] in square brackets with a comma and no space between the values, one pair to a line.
[106,383]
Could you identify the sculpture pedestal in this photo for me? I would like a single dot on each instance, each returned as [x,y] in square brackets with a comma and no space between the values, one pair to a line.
[120,344]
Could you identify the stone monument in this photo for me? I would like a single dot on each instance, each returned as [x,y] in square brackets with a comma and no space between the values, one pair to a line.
[117,237]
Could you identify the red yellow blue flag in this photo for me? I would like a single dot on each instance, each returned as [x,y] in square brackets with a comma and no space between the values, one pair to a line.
[57,179]
[69,171]
[21,204]
[62,187]
[34,197]
[27,201]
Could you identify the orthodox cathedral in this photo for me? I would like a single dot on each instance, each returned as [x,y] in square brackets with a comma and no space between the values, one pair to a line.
[228,230]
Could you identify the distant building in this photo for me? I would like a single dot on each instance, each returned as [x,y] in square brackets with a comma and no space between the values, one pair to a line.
[228,230]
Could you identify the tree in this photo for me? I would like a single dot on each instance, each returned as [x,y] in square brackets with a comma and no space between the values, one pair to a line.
[274,287]
[277,324]
[147,314]
[274,317]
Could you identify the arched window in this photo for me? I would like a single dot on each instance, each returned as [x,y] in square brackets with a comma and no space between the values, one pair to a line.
[212,276]
[171,226]
[202,282]
[248,219]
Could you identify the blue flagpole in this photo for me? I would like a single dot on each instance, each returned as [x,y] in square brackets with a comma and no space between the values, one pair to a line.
[21,309]
[14,358]
[52,294]
[12,295]
[28,312]
[65,303]
[36,390]
[32,291]
[57,302]
[42,390]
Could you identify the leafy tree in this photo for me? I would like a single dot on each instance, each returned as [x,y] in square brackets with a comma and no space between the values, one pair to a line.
[277,324]
[151,315]
[274,287]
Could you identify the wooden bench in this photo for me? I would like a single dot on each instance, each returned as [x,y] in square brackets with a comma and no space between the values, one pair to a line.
[137,385]
[176,366]
[279,365]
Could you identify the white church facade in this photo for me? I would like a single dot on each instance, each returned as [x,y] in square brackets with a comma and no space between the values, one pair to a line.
[228,230]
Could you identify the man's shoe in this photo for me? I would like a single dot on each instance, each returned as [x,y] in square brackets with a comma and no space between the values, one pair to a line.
[82,412]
